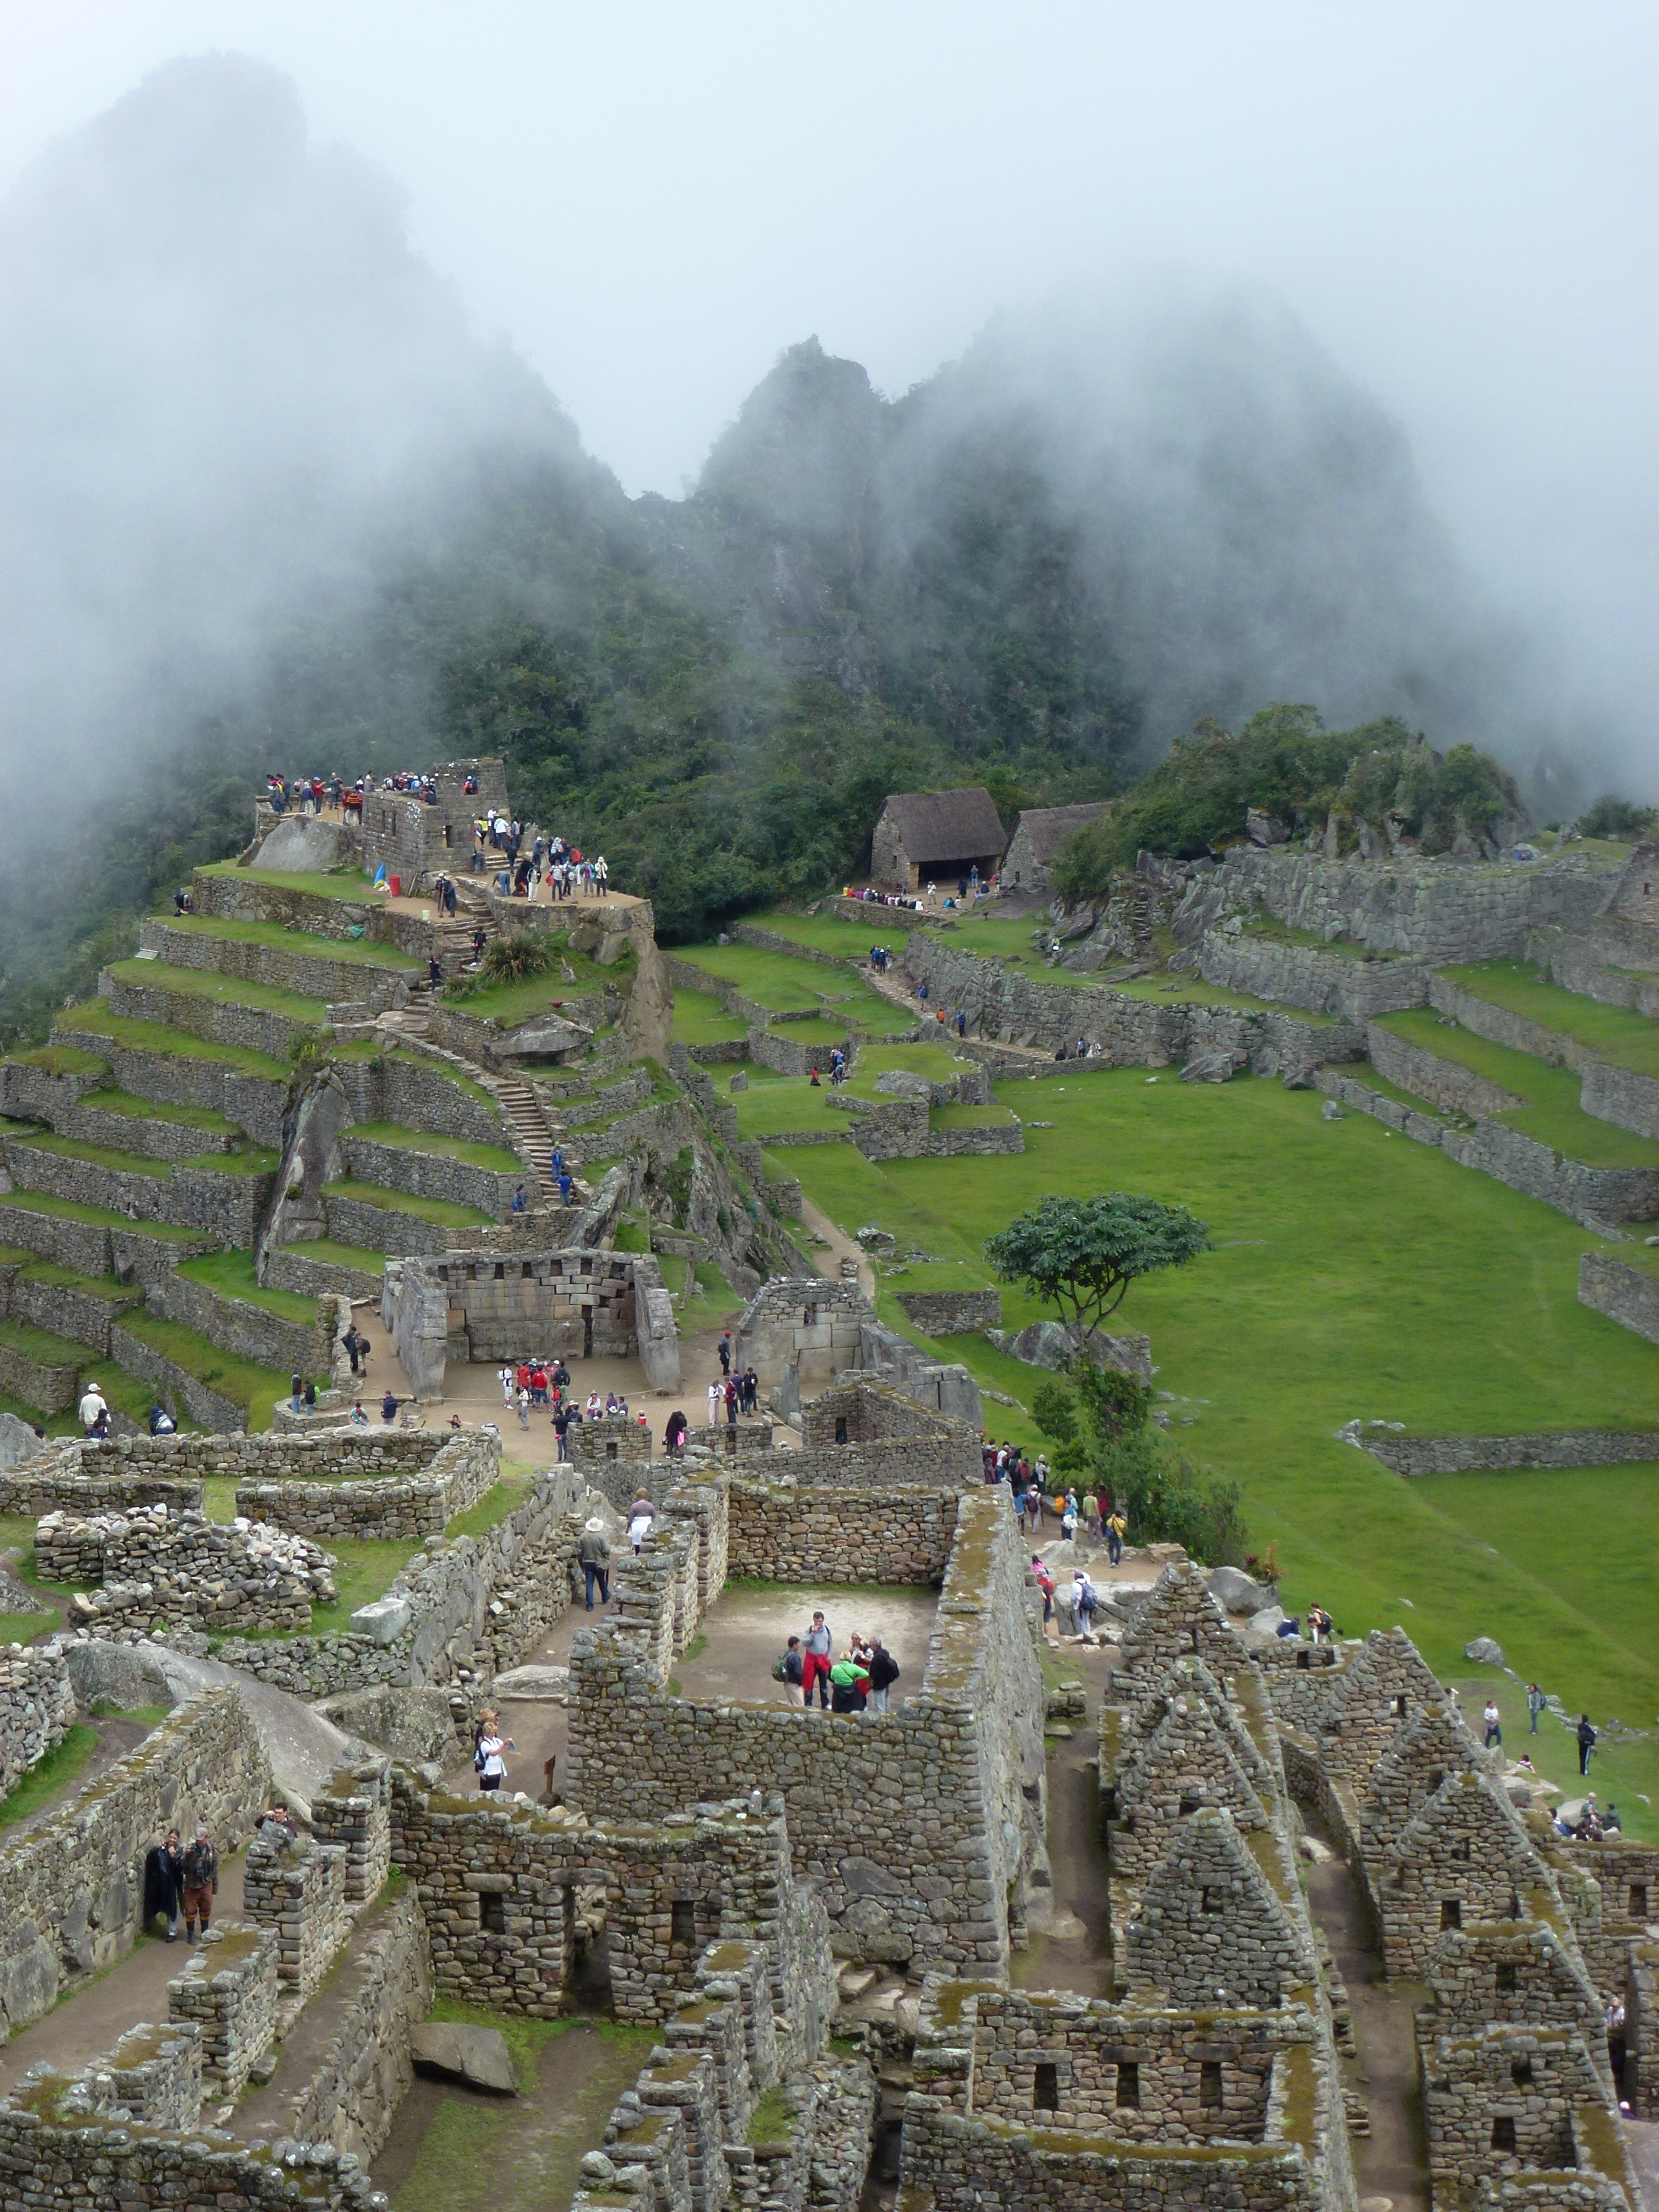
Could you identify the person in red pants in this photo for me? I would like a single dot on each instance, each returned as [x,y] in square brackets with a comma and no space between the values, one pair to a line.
[816,1647]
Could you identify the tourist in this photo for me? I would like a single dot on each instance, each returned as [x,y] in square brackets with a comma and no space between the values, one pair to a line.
[729,1393]
[562,1431]
[723,1348]
[1491,1721]
[1117,1527]
[1320,1626]
[848,1680]
[1090,1513]
[716,1400]
[594,1408]
[641,1519]
[164,1881]
[1586,1735]
[389,1406]
[310,1394]
[564,1187]
[884,1673]
[161,1423]
[816,1646]
[1536,1703]
[277,1824]
[92,1405]
[1083,1601]
[199,1879]
[1068,1517]
[520,1204]
[594,1556]
[787,1669]
[489,1749]
[751,1390]
[1611,1822]
[360,1420]
[524,1409]
[1045,1583]
[673,1436]
[1034,1507]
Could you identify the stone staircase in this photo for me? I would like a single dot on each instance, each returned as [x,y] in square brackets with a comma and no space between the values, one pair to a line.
[452,934]
[528,1126]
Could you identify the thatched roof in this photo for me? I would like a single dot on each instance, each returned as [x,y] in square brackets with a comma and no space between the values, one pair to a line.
[1047,827]
[936,826]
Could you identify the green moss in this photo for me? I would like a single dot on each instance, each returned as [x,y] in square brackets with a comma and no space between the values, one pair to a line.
[15,1209]
[104,1288]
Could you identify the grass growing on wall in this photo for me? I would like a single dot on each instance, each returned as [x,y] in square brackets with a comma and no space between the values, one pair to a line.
[700,1018]
[1551,1114]
[60,1770]
[1357,1274]
[444,1213]
[245,1383]
[231,1274]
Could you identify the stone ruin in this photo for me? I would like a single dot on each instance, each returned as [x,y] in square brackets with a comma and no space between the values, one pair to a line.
[801,1333]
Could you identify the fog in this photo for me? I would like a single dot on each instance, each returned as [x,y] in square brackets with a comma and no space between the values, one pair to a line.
[235,358]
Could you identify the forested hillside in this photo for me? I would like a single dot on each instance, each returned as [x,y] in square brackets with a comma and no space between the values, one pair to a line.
[1033,570]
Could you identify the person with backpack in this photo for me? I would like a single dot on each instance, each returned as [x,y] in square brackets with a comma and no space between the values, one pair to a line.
[884,1673]
[489,1747]
[1045,1583]
[1586,1735]
[198,1881]
[847,1682]
[594,1556]
[1537,1704]
[816,1646]
[786,1668]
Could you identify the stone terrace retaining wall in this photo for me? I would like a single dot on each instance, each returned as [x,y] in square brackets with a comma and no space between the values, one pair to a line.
[254,1102]
[291,1268]
[184,1395]
[37,1706]
[384,1229]
[77,2165]
[1619,1095]
[1491,1455]
[787,1055]
[387,1506]
[1626,1295]
[313,976]
[239,898]
[1300,975]
[57,1482]
[1126,1032]
[364,2075]
[1442,1081]
[1592,1195]
[951,1765]
[47,1386]
[81,1315]
[245,1330]
[782,1532]
[154,1565]
[432,1174]
[71,1890]
[220,1021]
[952,1313]
[95,1248]
[225,1205]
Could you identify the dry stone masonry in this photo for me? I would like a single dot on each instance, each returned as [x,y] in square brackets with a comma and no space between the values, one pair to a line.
[152,1565]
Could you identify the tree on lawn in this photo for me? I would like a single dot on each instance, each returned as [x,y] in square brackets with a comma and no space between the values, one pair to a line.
[1081,1254]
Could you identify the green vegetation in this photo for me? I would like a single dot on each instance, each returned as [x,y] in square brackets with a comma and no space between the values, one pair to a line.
[38,1344]
[223,990]
[493,1508]
[971,1117]
[710,1301]
[1618,1034]
[700,1018]
[62,1059]
[774,1104]
[820,932]
[107,1288]
[351,884]
[1106,1444]
[22,1202]
[59,1771]
[513,1003]
[205,1118]
[1551,1114]
[363,1571]
[93,1019]
[1193,991]
[442,1211]
[1617,817]
[1463,1318]
[343,1255]
[772,2121]
[392,1133]
[363,952]
[231,1274]
[101,1156]
[255,1388]
[24,1627]
[1080,1254]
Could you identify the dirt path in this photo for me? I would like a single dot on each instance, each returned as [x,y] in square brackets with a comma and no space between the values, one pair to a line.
[264,2113]
[82,2025]
[1070,1946]
[1392,2161]
[837,1246]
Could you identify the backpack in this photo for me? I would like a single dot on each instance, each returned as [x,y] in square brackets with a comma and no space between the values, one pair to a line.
[780,1668]
[478,1757]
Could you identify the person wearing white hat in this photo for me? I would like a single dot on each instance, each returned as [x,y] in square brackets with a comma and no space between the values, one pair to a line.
[593,1555]
[92,1405]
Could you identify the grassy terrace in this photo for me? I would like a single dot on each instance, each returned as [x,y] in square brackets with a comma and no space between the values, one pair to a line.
[38,1344]
[442,1211]
[821,933]
[99,1217]
[223,990]
[784,985]
[249,1160]
[364,1051]
[1282,933]
[60,1060]
[1193,991]
[774,1104]
[349,884]
[205,1118]
[1618,1034]
[342,1255]
[970,1117]
[231,1274]
[104,1287]
[255,1388]
[700,1018]
[1462,1318]
[1551,1114]
[499,1157]
[359,951]
[93,1018]
[512,1003]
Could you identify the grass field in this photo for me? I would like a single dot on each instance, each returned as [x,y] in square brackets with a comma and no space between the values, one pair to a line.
[700,1018]
[1461,1317]
[511,1003]
[1552,1113]
[231,1274]
[1619,1033]
[444,1211]
[69,1209]
[358,951]
[343,1255]
[784,985]
[338,883]
[392,1133]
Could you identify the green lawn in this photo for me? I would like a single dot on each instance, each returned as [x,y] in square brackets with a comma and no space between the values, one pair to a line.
[499,1157]
[1192,991]
[775,980]
[205,1118]
[343,1255]
[970,1117]
[821,933]
[1551,1114]
[700,1018]
[102,1156]
[107,1287]
[775,1102]
[1356,1275]
[994,937]
[48,1350]
[365,1049]
[349,884]
[24,1627]
[61,1060]
[363,1571]
[493,1508]
[1619,1033]
[61,1767]
[93,1018]
[231,1274]
[69,1209]
[223,990]
[512,1003]
[710,1300]
[361,951]
[441,1210]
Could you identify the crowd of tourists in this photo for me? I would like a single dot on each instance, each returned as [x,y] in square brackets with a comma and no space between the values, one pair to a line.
[542,1385]
[859,1681]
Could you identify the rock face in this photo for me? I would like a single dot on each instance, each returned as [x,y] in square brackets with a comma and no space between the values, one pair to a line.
[476,2056]
[1210,1067]
[18,1441]
[1233,1590]
[1046,1344]
[1482,1650]
[301,844]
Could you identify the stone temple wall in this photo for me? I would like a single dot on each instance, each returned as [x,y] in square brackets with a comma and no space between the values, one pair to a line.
[37,1708]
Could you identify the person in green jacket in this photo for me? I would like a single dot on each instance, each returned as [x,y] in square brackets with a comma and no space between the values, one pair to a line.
[847,1682]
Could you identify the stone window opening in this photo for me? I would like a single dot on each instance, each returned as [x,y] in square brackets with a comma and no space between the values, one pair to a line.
[1400,1706]
[842,1436]
[1503,2133]
[1435,1779]
[1451,1912]
[1045,2086]
[1461,1850]
[1214,1898]
[500,1271]
[1303,1660]
[1508,1980]
[1190,1802]
[1209,2084]
[1128,2084]
[682,1922]
[1514,1906]
[1521,2072]
[492,1913]
[611,1451]
[1638,1900]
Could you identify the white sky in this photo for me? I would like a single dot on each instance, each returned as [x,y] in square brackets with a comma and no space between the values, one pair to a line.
[651,200]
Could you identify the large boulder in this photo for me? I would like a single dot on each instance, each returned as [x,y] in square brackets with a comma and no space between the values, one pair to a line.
[1046,1343]
[1484,1651]
[477,2056]
[414,1726]
[1234,1591]
[18,1441]
[301,845]
[1210,1067]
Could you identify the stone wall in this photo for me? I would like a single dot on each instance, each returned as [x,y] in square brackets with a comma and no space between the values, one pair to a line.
[184,1569]
[1338,983]
[95,1248]
[1413,1455]
[248,1331]
[352,2096]
[37,1708]
[1629,1296]
[897,1462]
[952,1764]
[60,1481]
[277,967]
[227,1993]
[783,1532]
[1592,1195]
[62,1309]
[805,1323]
[386,1507]
[1619,1095]
[384,1229]
[295,1886]
[48,1385]
[1470,2081]
[71,1889]
[574,1303]
[952,1313]
[225,1205]
[1124,1031]
[319,914]
[291,1268]
[220,1021]
[432,1174]
[1442,1081]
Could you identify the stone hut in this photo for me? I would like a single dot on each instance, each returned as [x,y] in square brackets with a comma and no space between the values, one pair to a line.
[923,836]
[1039,833]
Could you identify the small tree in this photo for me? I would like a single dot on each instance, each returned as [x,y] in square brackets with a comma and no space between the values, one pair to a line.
[1082,1254]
